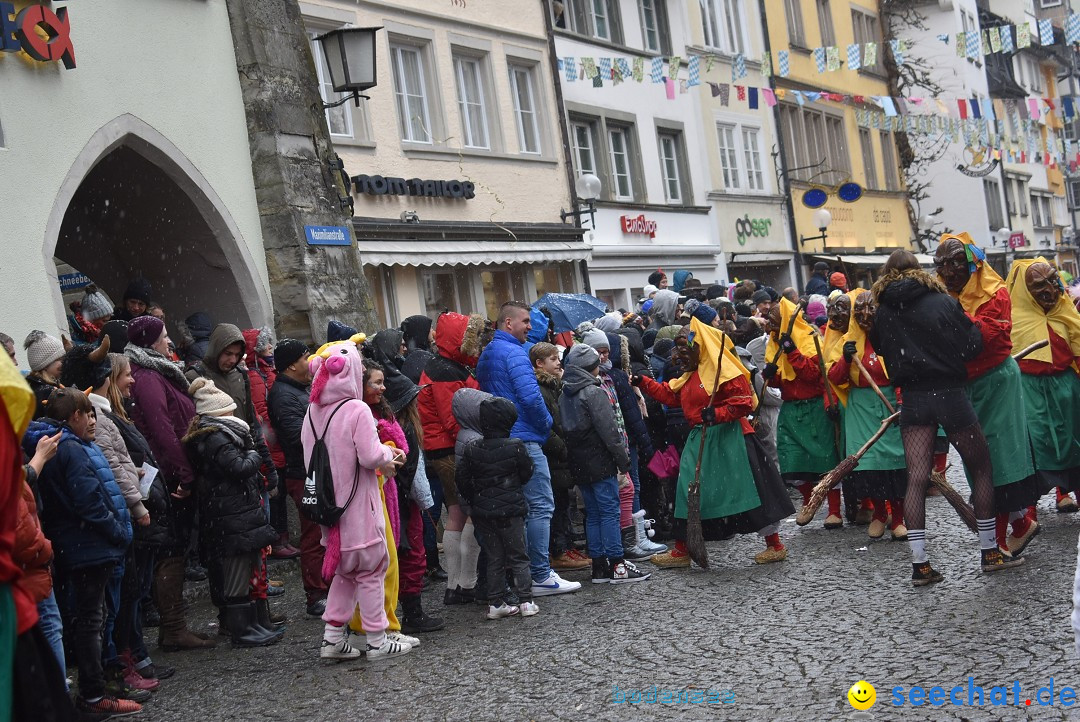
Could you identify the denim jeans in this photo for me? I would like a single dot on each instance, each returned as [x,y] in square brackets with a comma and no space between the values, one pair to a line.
[88,586]
[541,507]
[52,626]
[112,607]
[602,518]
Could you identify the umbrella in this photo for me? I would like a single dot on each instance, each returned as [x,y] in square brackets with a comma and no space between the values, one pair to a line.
[570,309]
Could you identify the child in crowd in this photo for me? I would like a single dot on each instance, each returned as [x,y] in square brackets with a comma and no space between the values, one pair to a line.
[490,478]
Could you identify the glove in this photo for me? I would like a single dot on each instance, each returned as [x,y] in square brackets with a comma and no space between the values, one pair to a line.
[786,344]
[708,416]
[635,380]
[833,412]
[770,371]
[849,351]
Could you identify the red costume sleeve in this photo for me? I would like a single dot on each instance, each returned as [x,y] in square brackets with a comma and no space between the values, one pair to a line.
[994,319]
[660,391]
[806,367]
[840,373]
[734,400]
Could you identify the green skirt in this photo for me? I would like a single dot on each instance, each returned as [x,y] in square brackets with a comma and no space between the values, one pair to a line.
[8,631]
[862,419]
[1053,416]
[727,483]
[805,439]
[998,399]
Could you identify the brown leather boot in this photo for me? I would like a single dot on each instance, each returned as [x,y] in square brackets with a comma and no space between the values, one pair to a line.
[173,634]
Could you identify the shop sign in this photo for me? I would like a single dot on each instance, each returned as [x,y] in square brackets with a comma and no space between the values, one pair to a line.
[19,32]
[1017,240]
[327,236]
[641,224]
[73,281]
[377,185]
[746,227]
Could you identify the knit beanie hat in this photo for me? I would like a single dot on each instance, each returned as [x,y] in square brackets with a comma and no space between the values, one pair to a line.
[649,290]
[95,305]
[656,276]
[596,338]
[838,280]
[209,399]
[42,350]
[287,352]
[338,331]
[715,291]
[663,347]
[701,311]
[815,310]
[138,289]
[117,331]
[265,339]
[145,330]
[583,355]
[82,371]
[760,296]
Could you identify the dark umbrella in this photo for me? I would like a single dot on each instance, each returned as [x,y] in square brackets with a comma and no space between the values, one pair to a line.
[568,310]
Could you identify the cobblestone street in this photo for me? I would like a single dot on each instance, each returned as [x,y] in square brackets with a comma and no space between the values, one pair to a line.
[788,640]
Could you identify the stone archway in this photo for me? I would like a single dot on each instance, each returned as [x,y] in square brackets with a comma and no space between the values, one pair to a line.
[134,205]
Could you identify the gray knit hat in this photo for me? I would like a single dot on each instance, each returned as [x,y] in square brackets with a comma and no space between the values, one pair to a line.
[265,339]
[596,338]
[42,350]
[583,355]
[95,305]
[209,399]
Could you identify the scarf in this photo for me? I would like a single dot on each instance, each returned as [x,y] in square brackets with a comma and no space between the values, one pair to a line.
[152,360]
[391,434]
[801,333]
[609,388]
[984,281]
[1031,322]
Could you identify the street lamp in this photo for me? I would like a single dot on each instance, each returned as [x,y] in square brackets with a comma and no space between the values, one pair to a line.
[1001,236]
[350,59]
[926,223]
[822,219]
[587,187]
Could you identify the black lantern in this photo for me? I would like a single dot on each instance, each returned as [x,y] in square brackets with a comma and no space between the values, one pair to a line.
[350,59]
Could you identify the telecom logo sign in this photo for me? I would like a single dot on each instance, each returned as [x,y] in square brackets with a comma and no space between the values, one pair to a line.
[19,32]
[746,227]
[641,225]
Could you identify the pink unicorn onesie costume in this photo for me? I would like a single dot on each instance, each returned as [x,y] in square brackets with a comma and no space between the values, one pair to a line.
[356,548]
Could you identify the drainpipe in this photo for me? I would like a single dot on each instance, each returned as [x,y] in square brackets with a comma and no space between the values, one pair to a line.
[800,281]
[564,133]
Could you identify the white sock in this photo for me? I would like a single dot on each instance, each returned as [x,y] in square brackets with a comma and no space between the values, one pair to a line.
[917,542]
[470,552]
[333,633]
[987,533]
[377,639]
[451,544]
[767,530]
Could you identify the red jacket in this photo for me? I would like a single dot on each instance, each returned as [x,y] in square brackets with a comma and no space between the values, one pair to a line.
[449,371]
[12,487]
[807,383]
[33,551]
[994,319]
[261,377]
[1061,358]
[840,373]
[733,402]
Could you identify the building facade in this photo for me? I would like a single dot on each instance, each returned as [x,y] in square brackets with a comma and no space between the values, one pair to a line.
[457,160]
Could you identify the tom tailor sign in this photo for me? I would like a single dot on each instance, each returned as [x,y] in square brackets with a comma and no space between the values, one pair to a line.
[377,185]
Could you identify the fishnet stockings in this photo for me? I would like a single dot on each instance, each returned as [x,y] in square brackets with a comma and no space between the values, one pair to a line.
[919,454]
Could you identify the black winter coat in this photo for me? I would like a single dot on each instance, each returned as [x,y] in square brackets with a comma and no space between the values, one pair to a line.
[160,531]
[229,488]
[597,451]
[494,470]
[287,405]
[922,332]
[555,447]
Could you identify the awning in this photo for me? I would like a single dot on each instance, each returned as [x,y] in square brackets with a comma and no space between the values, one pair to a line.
[468,253]
[762,257]
[874,260]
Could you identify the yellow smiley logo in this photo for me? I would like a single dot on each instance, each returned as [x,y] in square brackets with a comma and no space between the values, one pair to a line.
[862,695]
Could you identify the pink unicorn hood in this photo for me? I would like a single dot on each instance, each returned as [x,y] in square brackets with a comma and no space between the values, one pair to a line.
[338,372]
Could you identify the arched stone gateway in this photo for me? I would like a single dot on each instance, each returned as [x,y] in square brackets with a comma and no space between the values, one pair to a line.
[133,205]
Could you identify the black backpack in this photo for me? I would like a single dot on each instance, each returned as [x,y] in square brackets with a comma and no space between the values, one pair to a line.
[318,501]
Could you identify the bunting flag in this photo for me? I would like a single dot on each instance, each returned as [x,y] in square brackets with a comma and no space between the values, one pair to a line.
[783,61]
[972,44]
[819,59]
[1046,32]
[714,88]
[669,87]
[870,55]
[976,110]
[598,81]
[854,61]
[944,37]
[770,97]
[589,66]
[995,39]
[694,69]
[605,68]
[1023,36]
[657,72]
[1006,38]
[674,65]
[961,45]
[832,55]
[985,42]
[1072,29]
[897,48]
[709,62]
[571,69]
[738,68]
[639,69]
[740,92]
[766,65]
[725,93]
[622,67]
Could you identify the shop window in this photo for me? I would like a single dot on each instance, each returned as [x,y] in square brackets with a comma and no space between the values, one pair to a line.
[554,279]
[469,77]
[724,22]
[442,292]
[656,36]
[888,162]
[346,121]
[411,92]
[523,91]
[866,31]
[380,280]
[866,145]
[501,285]
[824,14]
[796,30]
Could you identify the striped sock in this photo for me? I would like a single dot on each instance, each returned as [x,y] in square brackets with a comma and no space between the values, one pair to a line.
[987,533]
[917,542]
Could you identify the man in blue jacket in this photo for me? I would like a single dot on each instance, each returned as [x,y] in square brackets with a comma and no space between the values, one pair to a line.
[504,370]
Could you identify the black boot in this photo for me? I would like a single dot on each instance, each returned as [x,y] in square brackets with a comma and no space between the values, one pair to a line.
[245,632]
[413,619]
[630,547]
[601,570]
[264,620]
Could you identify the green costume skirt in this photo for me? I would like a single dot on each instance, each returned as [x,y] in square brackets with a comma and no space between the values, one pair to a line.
[1053,416]
[7,651]
[998,399]
[805,440]
[882,471]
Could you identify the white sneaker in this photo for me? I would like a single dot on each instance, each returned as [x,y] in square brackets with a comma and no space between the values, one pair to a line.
[399,637]
[529,609]
[502,611]
[389,648]
[339,650]
[554,584]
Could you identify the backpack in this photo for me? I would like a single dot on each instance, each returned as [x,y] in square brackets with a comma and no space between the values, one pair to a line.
[318,501]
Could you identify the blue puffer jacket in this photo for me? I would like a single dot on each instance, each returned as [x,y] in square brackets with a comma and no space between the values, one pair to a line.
[82,510]
[504,370]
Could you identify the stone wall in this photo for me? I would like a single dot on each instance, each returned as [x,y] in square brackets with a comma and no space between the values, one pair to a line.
[295,187]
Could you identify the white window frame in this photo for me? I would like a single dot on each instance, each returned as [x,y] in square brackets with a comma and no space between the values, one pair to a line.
[724,25]
[401,92]
[754,167]
[579,16]
[326,92]
[595,17]
[867,29]
[474,135]
[1041,217]
[742,166]
[729,155]
[658,10]
[525,118]
[624,133]
[589,127]
[671,160]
